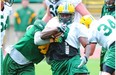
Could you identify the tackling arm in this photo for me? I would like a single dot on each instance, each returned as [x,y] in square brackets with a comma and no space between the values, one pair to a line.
[45,36]
[47,16]
[54,32]
[38,40]
[82,9]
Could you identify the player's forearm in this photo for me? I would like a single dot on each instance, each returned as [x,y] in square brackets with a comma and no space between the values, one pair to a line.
[38,40]
[87,51]
[47,16]
[47,34]
[85,43]
[84,11]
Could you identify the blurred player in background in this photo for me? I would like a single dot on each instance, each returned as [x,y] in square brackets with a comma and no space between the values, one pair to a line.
[103,32]
[5,11]
[52,6]
[23,17]
[108,8]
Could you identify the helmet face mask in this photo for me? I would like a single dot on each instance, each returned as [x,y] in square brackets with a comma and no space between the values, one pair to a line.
[65,18]
[54,1]
[66,13]
[9,2]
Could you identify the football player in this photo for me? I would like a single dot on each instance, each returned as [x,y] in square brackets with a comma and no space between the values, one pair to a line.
[5,11]
[24,54]
[65,37]
[107,9]
[103,32]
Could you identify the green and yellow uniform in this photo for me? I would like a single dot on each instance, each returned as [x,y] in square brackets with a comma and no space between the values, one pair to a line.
[23,18]
[22,56]
[64,53]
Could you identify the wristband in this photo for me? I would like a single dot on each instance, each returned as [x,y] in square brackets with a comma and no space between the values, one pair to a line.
[86,59]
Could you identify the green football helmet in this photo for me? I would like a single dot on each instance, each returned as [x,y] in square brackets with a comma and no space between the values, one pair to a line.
[110,3]
[66,13]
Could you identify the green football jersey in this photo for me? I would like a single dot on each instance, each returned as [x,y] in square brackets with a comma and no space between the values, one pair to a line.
[26,45]
[106,11]
[23,17]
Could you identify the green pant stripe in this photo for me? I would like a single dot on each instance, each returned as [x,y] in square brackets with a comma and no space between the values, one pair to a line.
[1,62]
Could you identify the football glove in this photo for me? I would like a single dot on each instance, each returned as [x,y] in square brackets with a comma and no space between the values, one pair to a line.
[57,39]
[87,20]
[62,28]
[83,61]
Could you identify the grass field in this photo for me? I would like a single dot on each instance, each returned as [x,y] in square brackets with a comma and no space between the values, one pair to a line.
[44,69]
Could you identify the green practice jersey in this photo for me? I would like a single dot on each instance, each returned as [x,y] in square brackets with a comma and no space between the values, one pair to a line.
[26,45]
[106,11]
[23,18]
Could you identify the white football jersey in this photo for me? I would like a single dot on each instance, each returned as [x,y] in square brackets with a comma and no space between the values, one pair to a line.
[53,7]
[103,31]
[76,30]
[4,15]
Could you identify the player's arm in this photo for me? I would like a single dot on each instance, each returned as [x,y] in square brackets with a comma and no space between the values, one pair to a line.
[93,46]
[38,40]
[46,36]
[86,45]
[47,16]
[82,9]
[49,33]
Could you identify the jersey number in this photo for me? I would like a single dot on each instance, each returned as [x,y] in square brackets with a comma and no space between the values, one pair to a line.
[53,10]
[107,29]
[2,24]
